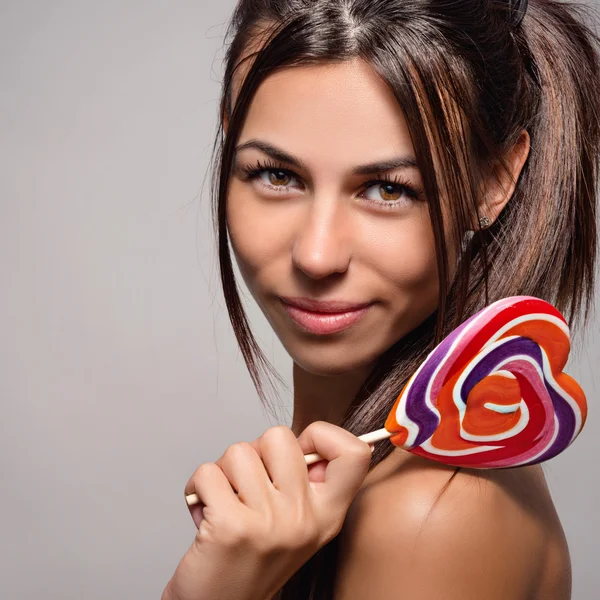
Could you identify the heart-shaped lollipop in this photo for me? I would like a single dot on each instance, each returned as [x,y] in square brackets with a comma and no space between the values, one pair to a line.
[492,394]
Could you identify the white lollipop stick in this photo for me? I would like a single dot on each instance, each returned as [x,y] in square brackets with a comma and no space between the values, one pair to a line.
[370,438]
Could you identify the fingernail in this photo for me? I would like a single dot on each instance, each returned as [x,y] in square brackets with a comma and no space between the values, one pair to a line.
[372,447]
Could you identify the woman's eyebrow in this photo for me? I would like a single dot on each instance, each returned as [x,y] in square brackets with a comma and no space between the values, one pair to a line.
[405,162]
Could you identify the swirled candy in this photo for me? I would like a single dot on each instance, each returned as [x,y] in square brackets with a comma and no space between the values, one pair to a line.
[493,393]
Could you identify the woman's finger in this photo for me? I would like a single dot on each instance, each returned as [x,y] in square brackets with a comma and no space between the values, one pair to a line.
[348,459]
[284,460]
[246,473]
[211,486]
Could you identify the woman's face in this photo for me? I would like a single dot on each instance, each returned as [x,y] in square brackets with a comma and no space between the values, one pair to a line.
[320,230]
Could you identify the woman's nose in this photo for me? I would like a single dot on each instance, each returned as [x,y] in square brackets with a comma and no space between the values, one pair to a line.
[323,239]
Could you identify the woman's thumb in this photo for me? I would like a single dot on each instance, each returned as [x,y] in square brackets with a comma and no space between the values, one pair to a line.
[347,460]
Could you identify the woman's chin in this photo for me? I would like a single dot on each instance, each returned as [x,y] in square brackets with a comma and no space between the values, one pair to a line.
[328,362]
[330,354]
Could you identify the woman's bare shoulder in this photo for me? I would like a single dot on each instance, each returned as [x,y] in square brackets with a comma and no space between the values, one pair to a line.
[490,534]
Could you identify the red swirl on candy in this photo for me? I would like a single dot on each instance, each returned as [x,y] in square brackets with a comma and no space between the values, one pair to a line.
[492,394]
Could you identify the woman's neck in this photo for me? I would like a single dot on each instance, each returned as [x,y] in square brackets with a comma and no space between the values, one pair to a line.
[323,397]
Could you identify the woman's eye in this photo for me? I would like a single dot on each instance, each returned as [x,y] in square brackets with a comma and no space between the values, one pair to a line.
[386,192]
[276,178]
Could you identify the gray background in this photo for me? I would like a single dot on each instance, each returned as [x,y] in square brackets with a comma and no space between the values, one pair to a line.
[120,372]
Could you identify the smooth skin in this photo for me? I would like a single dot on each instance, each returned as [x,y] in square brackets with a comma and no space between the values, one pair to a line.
[316,229]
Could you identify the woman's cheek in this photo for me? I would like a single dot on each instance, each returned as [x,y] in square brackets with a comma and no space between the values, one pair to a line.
[258,234]
[249,227]
[405,255]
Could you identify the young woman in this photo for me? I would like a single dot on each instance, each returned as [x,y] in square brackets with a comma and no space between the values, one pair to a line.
[401,164]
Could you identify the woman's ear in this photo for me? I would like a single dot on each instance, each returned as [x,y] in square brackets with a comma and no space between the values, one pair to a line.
[502,182]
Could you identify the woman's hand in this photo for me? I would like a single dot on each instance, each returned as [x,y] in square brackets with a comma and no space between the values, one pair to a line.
[250,543]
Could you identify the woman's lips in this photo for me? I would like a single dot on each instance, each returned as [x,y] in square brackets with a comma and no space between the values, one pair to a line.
[324,323]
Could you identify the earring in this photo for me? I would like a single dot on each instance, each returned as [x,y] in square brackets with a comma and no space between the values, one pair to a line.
[485,222]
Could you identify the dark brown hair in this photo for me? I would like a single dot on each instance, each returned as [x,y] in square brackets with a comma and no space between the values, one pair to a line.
[469,80]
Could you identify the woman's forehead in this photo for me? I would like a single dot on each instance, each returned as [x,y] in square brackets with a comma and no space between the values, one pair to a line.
[331,107]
